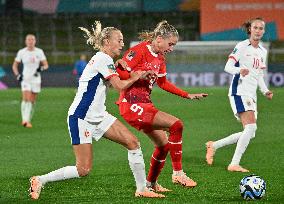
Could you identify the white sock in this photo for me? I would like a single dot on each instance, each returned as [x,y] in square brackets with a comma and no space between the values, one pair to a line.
[66,172]
[177,173]
[32,111]
[243,142]
[28,111]
[137,166]
[23,111]
[231,139]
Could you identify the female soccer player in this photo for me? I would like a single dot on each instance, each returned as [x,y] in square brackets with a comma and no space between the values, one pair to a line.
[137,109]
[246,63]
[34,61]
[88,118]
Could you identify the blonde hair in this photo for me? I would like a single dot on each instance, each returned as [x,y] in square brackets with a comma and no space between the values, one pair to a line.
[246,26]
[96,36]
[163,29]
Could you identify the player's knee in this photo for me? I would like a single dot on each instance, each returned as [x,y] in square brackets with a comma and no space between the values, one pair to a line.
[84,170]
[176,127]
[132,143]
[176,131]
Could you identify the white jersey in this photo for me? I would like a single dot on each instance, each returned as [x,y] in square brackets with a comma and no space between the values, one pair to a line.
[89,102]
[31,61]
[254,59]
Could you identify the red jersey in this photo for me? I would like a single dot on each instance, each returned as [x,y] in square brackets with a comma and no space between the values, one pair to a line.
[140,57]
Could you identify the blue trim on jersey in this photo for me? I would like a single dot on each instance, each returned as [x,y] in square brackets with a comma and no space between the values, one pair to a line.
[239,104]
[88,96]
[74,129]
[235,84]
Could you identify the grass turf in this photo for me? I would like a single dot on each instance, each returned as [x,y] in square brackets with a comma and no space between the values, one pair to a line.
[46,147]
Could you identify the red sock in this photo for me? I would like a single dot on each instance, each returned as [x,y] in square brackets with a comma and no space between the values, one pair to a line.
[175,145]
[157,162]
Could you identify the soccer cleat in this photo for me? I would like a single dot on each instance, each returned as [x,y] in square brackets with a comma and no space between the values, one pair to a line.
[183,180]
[210,151]
[35,188]
[237,168]
[148,193]
[157,187]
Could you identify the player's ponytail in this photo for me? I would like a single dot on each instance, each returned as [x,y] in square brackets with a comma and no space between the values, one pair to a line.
[96,36]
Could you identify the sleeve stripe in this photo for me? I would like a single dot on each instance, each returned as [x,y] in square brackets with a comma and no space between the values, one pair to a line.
[232,57]
[162,75]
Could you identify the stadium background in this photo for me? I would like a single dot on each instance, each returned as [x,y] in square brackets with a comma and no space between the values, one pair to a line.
[26,152]
[55,24]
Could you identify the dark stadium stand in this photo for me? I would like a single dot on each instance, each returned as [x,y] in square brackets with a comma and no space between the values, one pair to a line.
[58,35]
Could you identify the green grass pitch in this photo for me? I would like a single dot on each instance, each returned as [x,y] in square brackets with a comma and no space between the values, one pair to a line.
[46,147]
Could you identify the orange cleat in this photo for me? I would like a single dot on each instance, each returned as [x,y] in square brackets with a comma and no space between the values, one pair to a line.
[210,152]
[183,180]
[157,187]
[35,188]
[237,168]
[148,193]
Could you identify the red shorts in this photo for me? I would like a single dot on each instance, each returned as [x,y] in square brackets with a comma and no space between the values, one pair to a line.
[138,115]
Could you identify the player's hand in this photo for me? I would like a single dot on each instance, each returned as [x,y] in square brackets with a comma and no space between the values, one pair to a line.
[244,72]
[197,96]
[269,95]
[19,77]
[150,74]
[123,64]
[136,74]
[40,69]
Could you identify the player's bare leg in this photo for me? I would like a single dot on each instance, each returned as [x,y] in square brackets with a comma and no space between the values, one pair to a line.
[249,124]
[120,134]
[26,108]
[210,151]
[174,126]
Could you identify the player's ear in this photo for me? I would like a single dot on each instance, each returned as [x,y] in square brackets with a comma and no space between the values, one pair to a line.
[106,41]
[159,38]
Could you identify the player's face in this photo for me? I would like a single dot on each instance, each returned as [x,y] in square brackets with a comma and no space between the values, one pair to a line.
[166,45]
[30,41]
[257,30]
[116,43]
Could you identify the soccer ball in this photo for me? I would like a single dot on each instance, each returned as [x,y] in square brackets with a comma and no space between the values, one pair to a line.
[252,187]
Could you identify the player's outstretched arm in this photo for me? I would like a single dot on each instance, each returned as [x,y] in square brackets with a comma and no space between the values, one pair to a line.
[15,68]
[197,96]
[124,84]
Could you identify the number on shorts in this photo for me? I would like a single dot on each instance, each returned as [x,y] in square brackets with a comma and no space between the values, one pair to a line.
[136,108]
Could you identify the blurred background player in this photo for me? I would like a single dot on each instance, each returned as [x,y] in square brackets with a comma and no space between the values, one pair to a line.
[88,118]
[34,61]
[79,66]
[137,109]
[246,63]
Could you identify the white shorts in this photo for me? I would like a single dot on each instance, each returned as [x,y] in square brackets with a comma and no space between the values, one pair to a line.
[241,104]
[31,86]
[82,132]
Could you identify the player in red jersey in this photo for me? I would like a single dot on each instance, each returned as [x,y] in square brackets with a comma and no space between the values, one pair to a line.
[136,108]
